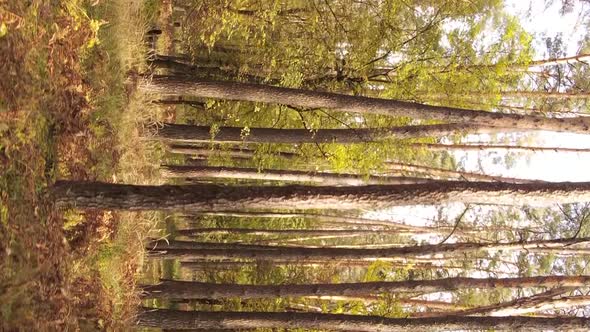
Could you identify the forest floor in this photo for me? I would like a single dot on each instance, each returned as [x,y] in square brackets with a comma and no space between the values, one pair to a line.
[68,110]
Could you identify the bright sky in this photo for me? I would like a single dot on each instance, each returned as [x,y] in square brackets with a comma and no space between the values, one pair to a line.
[543,22]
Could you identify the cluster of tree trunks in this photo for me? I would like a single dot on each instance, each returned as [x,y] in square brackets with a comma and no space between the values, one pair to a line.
[319,178]
[171,289]
[203,88]
[333,191]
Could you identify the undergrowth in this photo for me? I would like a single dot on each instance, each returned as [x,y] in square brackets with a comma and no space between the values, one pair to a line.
[69,110]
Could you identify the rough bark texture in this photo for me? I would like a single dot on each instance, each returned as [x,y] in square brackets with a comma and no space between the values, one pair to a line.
[346,103]
[202,250]
[451,174]
[243,320]
[326,179]
[222,198]
[203,152]
[295,232]
[208,265]
[481,147]
[169,289]
[547,94]
[520,308]
[548,300]
[325,220]
[557,61]
[491,310]
[203,134]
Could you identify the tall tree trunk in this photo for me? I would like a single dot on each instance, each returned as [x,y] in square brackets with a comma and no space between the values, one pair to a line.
[486,147]
[202,152]
[520,308]
[170,289]
[523,306]
[430,305]
[451,174]
[183,66]
[518,94]
[242,152]
[545,94]
[223,198]
[162,318]
[321,218]
[390,71]
[249,153]
[558,61]
[206,250]
[489,310]
[293,232]
[204,134]
[211,265]
[346,103]
[180,101]
[325,179]
[339,221]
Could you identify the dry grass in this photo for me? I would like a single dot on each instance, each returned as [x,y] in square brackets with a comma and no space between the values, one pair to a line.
[68,110]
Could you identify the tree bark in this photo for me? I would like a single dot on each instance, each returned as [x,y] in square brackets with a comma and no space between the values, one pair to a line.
[546,94]
[203,134]
[520,308]
[558,61]
[325,179]
[162,318]
[170,289]
[207,250]
[192,103]
[339,221]
[357,104]
[451,174]
[248,153]
[293,232]
[202,152]
[183,66]
[519,94]
[524,306]
[490,310]
[212,265]
[482,147]
[202,197]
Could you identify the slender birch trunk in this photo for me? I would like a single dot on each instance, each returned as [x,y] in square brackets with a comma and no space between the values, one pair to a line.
[545,94]
[292,232]
[516,94]
[204,134]
[558,61]
[325,219]
[530,307]
[507,148]
[205,250]
[318,178]
[201,152]
[172,289]
[490,310]
[451,174]
[433,171]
